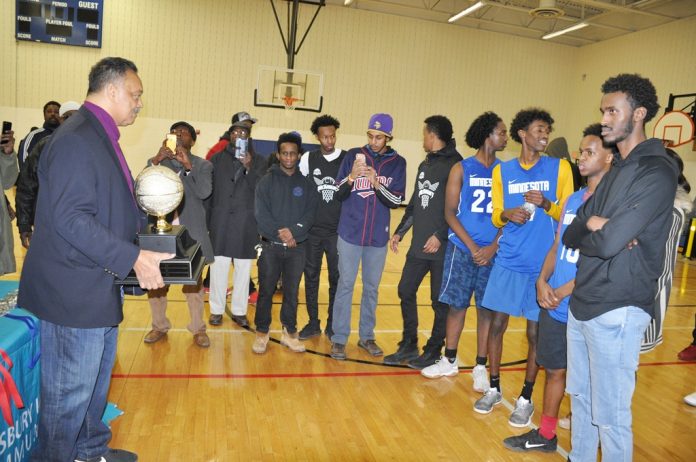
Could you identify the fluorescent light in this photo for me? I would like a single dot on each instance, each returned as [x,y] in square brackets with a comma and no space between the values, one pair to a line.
[577,26]
[347,2]
[469,10]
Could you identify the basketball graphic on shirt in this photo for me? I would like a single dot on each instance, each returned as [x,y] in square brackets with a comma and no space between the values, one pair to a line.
[158,190]
[326,185]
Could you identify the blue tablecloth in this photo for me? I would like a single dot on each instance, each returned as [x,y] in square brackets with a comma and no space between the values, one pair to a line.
[22,345]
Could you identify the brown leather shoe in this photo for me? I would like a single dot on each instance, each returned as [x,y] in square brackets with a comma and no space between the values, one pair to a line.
[154,336]
[201,339]
[371,347]
[215,320]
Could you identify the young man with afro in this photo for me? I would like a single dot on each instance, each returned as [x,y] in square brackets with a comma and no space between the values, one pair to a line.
[554,286]
[527,196]
[321,165]
[472,245]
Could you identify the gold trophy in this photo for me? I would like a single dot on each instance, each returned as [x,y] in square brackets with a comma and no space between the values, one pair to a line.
[158,191]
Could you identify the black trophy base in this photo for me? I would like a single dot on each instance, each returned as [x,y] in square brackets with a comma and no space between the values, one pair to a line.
[185,268]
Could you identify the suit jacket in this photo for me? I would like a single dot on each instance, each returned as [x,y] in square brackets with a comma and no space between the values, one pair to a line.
[86,223]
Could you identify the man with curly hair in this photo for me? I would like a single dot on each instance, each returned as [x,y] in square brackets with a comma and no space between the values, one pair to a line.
[472,245]
[527,196]
[621,233]
[554,286]
[321,165]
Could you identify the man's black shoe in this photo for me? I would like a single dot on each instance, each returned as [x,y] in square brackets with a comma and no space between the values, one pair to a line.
[428,358]
[531,441]
[215,320]
[113,455]
[406,352]
[241,320]
[310,330]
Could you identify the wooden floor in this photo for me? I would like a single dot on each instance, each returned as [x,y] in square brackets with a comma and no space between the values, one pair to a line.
[183,403]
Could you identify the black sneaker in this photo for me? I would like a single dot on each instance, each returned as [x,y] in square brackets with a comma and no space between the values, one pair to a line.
[428,358]
[531,441]
[113,455]
[406,352]
[310,330]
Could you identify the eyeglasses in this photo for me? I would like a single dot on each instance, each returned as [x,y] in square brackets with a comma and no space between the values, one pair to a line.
[240,133]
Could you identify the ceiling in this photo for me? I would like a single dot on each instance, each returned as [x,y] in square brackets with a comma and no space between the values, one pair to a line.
[606,18]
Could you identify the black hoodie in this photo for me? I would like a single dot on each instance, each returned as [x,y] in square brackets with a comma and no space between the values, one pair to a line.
[426,210]
[637,196]
[285,201]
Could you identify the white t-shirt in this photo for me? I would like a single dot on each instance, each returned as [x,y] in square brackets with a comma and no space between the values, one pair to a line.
[304,160]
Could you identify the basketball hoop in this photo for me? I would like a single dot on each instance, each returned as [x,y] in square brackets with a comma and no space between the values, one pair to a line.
[289,102]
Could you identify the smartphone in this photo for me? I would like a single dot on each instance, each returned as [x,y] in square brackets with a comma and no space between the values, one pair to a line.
[241,146]
[360,157]
[6,127]
[171,141]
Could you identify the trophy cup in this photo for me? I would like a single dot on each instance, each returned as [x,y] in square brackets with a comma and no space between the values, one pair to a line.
[158,191]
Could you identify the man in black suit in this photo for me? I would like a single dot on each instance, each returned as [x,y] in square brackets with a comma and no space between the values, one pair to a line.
[86,222]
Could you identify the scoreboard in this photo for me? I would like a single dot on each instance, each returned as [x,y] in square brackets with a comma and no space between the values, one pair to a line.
[65,22]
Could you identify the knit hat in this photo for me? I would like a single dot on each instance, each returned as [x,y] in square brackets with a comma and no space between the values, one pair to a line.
[381,123]
[243,116]
[67,107]
[187,126]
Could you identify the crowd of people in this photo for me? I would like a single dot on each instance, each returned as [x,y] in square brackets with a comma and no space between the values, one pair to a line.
[578,251]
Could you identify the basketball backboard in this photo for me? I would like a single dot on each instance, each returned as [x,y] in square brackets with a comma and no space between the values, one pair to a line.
[289,89]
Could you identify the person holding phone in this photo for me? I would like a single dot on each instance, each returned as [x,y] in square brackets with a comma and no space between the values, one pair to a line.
[197,176]
[8,175]
[371,182]
[232,225]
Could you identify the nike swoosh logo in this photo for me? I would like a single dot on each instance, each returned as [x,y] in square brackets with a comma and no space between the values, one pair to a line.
[530,446]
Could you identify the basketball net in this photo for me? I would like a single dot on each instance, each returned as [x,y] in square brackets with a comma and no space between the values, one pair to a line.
[289,102]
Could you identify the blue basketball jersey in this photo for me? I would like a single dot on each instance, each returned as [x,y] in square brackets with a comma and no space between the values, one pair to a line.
[523,247]
[475,207]
[566,259]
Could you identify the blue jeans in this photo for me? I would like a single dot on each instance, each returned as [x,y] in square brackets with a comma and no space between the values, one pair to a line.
[349,257]
[602,362]
[75,375]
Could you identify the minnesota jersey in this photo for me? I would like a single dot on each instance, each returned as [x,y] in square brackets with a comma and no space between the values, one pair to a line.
[522,248]
[566,259]
[475,207]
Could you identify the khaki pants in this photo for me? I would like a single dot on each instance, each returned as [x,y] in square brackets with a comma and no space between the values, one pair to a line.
[194,299]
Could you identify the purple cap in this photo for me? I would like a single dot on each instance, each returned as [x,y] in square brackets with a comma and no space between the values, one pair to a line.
[382,123]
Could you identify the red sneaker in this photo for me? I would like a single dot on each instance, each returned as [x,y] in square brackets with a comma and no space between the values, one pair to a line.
[688,353]
[253,297]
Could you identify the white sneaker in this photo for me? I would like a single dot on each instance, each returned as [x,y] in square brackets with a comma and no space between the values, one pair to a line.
[564,422]
[292,342]
[690,399]
[442,368]
[260,343]
[480,375]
